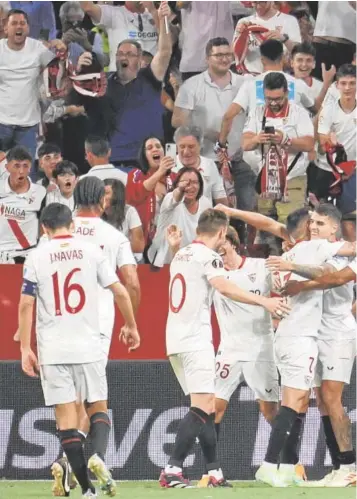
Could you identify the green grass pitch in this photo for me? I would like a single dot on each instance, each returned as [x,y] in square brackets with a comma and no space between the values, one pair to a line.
[151,490]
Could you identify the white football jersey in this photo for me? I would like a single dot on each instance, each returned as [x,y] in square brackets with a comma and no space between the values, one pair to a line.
[118,251]
[306,308]
[19,225]
[246,330]
[188,326]
[66,272]
[337,321]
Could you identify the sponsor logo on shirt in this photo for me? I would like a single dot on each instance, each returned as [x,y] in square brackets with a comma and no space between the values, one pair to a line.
[141,35]
[12,212]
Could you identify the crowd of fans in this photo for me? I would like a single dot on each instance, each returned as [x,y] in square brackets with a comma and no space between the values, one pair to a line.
[176,107]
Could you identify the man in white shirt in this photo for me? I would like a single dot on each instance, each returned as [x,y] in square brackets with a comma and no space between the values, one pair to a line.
[336,125]
[281,134]
[303,61]
[98,152]
[251,94]
[196,271]
[20,204]
[282,27]
[71,362]
[22,60]
[131,21]
[88,226]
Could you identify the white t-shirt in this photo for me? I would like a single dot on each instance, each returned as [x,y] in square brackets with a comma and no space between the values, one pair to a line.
[213,187]
[131,221]
[208,103]
[246,330]
[67,272]
[306,308]
[297,124]
[333,119]
[20,72]
[333,94]
[188,327]
[19,225]
[251,94]
[55,196]
[103,172]
[172,212]
[337,321]
[121,24]
[284,23]
[337,19]
[315,88]
[117,249]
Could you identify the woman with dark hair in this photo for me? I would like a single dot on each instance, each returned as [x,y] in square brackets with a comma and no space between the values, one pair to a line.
[123,216]
[182,207]
[146,187]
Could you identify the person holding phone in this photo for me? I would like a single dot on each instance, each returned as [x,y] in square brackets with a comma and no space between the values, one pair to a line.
[281,134]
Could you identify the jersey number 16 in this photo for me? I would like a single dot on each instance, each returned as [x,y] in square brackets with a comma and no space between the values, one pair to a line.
[68,288]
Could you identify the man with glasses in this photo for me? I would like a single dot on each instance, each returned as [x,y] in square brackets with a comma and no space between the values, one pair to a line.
[280,133]
[134,96]
[203,101]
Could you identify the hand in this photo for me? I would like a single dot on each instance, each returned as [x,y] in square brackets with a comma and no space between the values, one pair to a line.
[276,138]
[223,208]
[59,45]
[328,75]
[263,138]
[77,35]
[164,10]
[293,288]
[274,263]
[274,35]
[129,336]
[173,236]
[149,6]
[84,59]
[287,245]
[241,27]
[29,363]
[277,307]
[174,82]
[75,110]
[17,336]
[166,164]
[183,184]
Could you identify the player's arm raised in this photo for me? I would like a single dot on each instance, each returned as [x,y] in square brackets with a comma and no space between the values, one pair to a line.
[260,222]
[129,333]
[276,306]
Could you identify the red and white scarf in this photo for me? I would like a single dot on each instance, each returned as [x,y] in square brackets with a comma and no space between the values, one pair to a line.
[273,184]
[241,43]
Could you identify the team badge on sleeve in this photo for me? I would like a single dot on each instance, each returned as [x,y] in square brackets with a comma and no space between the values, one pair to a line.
[217,263]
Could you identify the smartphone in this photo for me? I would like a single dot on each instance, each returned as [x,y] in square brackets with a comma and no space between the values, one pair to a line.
[44,34]
[171,151]
[269,130]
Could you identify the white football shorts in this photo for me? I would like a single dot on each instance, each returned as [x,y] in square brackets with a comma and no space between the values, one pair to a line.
[296,359]
[260,376]
[65,383]
[195,371]
[335,360]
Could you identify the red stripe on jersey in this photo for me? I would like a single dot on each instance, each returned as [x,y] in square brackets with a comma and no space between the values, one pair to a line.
[242,262]
[20,236]
[67,236]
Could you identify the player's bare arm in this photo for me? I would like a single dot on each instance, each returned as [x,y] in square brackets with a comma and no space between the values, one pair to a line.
[233,111]
[161,60]
[277,263]
[348,249]
[276,306]
[260,222]
[29,360]
[129,333]
[328,281]
[132,285]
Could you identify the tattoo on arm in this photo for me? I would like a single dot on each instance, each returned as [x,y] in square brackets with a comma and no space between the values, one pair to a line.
[312,272]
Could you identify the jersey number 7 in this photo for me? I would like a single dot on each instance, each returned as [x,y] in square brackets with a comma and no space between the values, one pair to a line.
[67,290]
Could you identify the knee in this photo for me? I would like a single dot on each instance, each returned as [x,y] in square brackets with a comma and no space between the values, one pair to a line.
[204,402]
[331,398]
